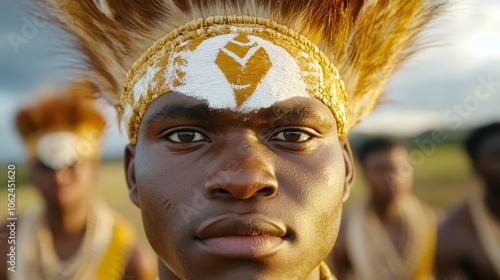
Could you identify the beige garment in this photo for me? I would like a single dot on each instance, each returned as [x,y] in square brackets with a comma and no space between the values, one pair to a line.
[37,259]
[372,252]
[488,230]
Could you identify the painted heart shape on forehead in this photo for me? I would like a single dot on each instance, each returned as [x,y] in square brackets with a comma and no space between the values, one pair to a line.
[232,66]
[244,64]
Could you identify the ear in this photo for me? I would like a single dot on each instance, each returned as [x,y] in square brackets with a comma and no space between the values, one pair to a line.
[130,174]
[349,168]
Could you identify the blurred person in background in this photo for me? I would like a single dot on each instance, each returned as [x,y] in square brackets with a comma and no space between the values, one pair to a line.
[469,240]
[389,235]
[73,236]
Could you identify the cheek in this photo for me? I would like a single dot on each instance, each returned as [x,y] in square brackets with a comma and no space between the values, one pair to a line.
[317,186]
[86,178]
[44,182]
[169,196]
[162,181]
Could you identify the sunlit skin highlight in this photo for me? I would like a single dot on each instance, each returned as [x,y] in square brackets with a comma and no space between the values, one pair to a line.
[272,180]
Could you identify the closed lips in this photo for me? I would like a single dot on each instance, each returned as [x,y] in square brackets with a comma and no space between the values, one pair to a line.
[242,225]
[241,236]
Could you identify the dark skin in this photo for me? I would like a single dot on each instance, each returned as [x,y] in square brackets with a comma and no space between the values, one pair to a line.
[460,254]
[268,183]
[387,175]
[67,192]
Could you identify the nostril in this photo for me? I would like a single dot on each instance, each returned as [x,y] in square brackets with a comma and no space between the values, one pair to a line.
[241,193]
[266,192]
[219,191]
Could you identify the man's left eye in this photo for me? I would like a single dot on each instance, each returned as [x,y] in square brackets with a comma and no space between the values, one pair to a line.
[186,136]
[296,136]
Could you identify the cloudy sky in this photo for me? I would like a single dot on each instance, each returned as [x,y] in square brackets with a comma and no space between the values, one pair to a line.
[454,85]
[438,87]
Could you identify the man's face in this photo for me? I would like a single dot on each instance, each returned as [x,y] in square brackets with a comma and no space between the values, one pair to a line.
[388,173]
[231,195]
[65,187]
[487,162]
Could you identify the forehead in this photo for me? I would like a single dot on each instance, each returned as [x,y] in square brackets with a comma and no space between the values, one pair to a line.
[243,72]
[177,105]
[235,71]
[237,67]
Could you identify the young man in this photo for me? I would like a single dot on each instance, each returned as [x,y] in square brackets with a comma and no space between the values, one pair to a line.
[469,240]
[389,235]
[72,236]
[237,113]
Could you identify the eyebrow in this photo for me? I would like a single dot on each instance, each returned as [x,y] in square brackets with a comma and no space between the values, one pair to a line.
[203,111]
[178,111]
[295,112]
[298,113]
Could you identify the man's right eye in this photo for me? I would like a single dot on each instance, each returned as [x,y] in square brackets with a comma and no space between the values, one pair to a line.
[186,136]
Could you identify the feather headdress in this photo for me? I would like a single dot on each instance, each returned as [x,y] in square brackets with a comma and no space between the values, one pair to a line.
[364,40]
[61,128]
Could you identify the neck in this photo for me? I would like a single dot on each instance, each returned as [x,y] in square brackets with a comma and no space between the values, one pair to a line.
[66,222]
[492,201]
[165,273]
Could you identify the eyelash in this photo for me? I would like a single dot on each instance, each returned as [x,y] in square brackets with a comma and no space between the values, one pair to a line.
[200,137]
[197,136]
[295,131]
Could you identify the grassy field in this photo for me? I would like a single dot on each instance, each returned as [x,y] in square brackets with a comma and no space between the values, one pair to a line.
[112,188]
[442,179]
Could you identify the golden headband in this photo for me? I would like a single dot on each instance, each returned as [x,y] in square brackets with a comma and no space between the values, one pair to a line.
[243,57]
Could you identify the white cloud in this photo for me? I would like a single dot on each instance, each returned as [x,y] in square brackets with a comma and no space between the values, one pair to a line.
[398,123]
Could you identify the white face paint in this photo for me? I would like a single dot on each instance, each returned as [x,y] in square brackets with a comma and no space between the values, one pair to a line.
[239,68]
[58,149]
[142,85]
[205,79]
[265,73]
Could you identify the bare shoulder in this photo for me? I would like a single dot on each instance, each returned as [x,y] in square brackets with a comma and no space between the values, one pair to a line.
[457,226]
[141,265]
[455,229]
[454,235]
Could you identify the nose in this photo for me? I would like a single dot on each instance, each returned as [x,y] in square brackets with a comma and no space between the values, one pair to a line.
[62,176]
[242,172]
